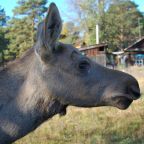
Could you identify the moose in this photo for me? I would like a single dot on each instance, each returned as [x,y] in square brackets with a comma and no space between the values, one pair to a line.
[51,76]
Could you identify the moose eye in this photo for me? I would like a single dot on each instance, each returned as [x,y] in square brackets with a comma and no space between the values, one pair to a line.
[84,66]
[58,49]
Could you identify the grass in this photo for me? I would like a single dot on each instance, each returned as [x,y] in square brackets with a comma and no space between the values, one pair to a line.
[105,125]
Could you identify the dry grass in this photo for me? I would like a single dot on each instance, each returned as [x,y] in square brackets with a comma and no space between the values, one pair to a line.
[104,125]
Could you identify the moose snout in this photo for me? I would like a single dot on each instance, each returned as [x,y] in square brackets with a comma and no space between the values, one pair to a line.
[128,91]
[132,87]
[134,91]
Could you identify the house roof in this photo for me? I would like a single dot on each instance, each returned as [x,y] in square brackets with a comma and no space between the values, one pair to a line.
[92,47]
[137,46]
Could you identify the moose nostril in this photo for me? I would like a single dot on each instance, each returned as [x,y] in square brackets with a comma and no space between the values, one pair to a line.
[135,91]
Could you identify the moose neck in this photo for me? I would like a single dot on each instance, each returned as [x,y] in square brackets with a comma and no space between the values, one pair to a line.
[24,104]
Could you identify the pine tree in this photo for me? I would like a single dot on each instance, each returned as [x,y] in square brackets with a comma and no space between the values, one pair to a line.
[2,17]
[22,26]
[122,26]
[3,40]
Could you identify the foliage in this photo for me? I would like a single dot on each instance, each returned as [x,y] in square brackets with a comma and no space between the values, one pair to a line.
[21,28]
[70,33]
[20,36]
[118,21]
[121,24]
[2,17]
[3,40]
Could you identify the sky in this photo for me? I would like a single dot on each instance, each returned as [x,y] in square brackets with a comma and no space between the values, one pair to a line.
[8,5]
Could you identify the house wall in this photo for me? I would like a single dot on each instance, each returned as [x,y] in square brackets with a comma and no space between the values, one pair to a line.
[136,51]
[96,55]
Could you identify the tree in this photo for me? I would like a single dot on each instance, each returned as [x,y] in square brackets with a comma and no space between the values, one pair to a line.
[89,13]
[3,40]
[2,17]
[117,19]
[22,27]
[70,33]
[122,26]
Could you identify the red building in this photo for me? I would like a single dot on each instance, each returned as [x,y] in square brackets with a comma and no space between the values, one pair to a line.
[96,52]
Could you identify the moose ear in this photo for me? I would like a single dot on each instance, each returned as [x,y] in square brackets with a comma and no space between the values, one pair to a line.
[48,32]
[52,26]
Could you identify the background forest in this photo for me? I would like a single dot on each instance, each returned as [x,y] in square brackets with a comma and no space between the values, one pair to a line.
[120,23]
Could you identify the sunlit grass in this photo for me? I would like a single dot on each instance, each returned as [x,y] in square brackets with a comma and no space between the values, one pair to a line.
[92,126]
[105,125]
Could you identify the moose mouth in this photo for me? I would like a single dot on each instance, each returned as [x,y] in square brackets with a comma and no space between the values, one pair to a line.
[122,102]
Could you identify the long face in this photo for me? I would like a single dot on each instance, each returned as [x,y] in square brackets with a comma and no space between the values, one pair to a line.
[73,78]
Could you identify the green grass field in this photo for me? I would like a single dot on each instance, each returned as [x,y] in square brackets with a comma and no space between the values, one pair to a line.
[105,125]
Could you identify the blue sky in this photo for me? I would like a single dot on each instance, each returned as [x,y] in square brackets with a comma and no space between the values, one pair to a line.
[8,5]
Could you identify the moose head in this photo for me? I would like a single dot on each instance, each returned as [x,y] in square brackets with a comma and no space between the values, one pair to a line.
[52,76]
[74,79]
